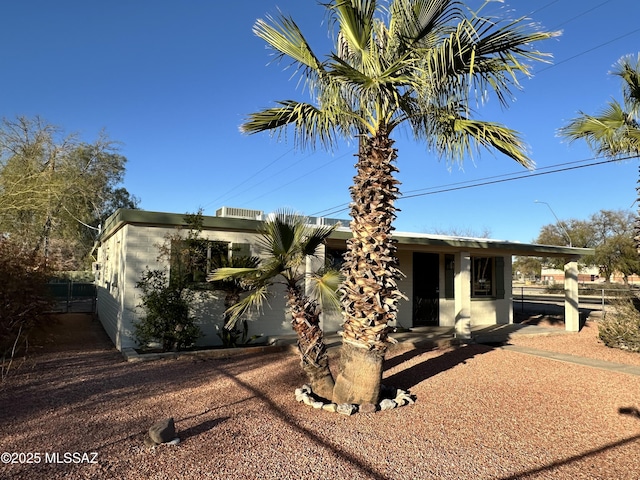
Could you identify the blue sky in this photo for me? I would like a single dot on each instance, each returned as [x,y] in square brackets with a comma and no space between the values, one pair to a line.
[173,80]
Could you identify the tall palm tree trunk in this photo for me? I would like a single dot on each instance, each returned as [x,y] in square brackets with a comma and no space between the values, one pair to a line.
[637,225]
[305,320]
[370,291]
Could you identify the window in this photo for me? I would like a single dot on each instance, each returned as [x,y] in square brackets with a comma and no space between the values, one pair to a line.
[482,278]
[193,259]
[334,258]
[449,275]
[487,277]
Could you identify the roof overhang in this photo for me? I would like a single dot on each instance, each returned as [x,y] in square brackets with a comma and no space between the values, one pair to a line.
[405,240]
[444,243]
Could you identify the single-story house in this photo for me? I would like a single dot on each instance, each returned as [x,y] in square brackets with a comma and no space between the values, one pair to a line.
[449,280]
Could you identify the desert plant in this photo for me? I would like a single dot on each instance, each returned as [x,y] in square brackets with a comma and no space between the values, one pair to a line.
[167,320]
[287,240]
[621,329]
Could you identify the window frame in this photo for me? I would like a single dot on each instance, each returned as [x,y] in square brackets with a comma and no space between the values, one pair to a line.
[197,276]
[476,289]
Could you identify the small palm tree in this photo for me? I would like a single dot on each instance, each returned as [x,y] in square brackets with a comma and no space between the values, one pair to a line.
[286,242]
[233,288]
[412,62]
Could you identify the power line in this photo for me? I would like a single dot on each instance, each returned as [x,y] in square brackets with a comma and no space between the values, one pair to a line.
[530,175]
[265,179]
[499,176]
[298,178]
[249,178]
[589,50]
[565,167]
[575,16]
[332,210]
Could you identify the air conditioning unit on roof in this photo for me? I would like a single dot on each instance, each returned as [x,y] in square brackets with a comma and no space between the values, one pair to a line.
[232,212]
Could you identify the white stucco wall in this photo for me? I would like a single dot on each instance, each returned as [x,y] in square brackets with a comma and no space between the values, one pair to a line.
[124,256]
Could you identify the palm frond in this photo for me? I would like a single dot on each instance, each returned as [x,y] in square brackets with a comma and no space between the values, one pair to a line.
[284,36]
[232,272]
[611,133]
[403,60]
[324,289]
[355,22]
[253,301]
[311,125]
[422,22]
[493,135]
[628,69]
[316,236]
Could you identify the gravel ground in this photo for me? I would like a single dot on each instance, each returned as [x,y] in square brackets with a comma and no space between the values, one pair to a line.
[481,413]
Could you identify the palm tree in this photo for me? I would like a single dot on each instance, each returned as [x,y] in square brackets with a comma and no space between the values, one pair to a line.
[233,289]
[413,62]
[286,242]
[615,131]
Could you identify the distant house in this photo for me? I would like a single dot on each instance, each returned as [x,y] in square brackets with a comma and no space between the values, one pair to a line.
[450,281]
[587,274]
[550,276]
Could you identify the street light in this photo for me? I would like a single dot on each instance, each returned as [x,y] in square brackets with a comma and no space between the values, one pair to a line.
[564,230]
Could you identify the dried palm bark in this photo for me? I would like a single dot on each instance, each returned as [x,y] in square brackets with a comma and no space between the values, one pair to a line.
[305,320]
[370,290]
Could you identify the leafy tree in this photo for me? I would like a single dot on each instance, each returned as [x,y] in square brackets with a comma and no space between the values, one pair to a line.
[529,267]
[167,318]
[418,63]
[574,232]
[463,232]
[24,299]
[286,243]
[54,186]
[609,232]
[615,246]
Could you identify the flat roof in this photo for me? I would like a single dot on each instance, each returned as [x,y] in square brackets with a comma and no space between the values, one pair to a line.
[442,243]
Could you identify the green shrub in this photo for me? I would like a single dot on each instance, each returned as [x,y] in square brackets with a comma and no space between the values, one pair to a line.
[167,320]
[621,328]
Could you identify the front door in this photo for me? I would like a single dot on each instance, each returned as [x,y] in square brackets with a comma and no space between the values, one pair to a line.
[426,291]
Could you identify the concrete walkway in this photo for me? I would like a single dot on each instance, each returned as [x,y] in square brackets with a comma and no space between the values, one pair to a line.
[587,362]
[499,335]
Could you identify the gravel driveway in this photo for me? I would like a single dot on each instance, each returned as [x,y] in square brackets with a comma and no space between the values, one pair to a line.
[77,410]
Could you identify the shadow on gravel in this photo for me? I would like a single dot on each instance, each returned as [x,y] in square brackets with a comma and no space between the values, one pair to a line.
[535,472]
[630,411]
[200,428]
[411,376]
[360,465]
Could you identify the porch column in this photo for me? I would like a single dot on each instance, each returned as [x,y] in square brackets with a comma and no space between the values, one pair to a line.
[571,302]
[462,295]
